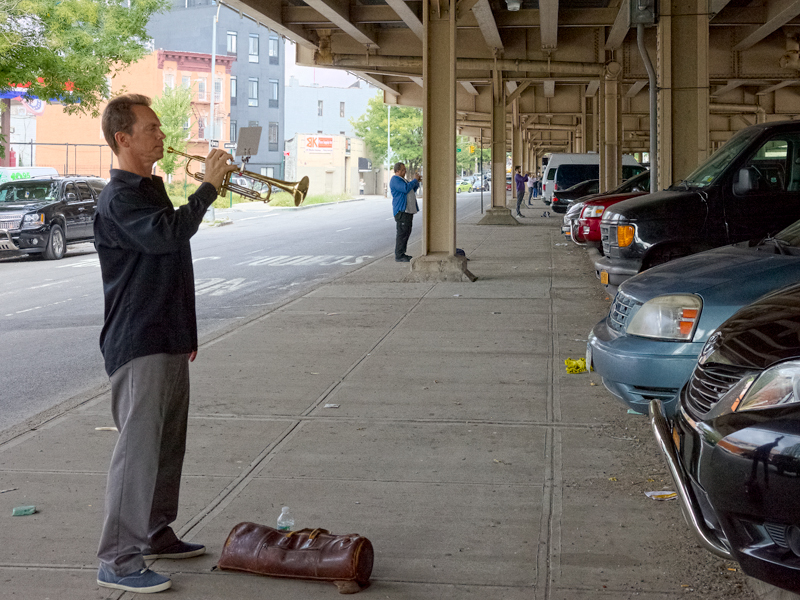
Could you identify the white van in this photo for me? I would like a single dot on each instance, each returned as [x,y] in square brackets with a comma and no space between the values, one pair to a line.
[14,173]
[564,170]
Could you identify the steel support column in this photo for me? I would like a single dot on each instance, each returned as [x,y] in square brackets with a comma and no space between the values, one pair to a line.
[683,98]
[438,261]
[611,168]
[499,213]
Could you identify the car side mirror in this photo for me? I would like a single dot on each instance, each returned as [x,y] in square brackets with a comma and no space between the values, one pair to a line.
[744,182]
[71,196]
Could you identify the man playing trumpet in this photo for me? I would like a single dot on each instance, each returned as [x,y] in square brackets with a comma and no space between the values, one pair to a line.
[148,339]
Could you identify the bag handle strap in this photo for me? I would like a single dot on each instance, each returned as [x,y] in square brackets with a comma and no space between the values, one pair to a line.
[314,532]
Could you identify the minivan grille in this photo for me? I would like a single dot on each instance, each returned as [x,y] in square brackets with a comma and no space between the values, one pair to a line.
[621,310]
[708,384]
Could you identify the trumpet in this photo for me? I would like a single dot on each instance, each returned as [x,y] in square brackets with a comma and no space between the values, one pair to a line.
[297,189]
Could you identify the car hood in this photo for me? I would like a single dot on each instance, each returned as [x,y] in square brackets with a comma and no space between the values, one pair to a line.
[609,199]
[658,206]
[20,207]
[732,274]
[760,334]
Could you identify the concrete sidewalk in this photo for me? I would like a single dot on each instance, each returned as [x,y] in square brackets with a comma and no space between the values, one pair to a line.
[437,419]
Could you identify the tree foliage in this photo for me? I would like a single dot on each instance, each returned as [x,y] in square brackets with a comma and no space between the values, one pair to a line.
[66,49]
[173,109]
[406,133]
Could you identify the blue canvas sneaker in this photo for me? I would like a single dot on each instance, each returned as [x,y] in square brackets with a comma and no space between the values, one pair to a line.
[178,550]
[141,582]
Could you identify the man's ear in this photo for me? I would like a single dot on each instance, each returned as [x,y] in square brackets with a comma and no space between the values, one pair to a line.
[122,139]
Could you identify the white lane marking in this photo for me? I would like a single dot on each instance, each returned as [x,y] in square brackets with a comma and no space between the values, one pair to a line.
[216,286]
[304,260]
[345,229]
[194,260]
[88,262]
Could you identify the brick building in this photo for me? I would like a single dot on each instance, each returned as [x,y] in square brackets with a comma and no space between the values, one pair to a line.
[75,143]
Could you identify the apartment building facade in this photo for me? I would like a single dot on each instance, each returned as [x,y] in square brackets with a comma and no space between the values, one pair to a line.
[256,82]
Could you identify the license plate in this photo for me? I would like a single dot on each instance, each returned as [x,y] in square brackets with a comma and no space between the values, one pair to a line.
[604,277]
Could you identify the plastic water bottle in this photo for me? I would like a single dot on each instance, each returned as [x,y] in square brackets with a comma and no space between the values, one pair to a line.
[285,520]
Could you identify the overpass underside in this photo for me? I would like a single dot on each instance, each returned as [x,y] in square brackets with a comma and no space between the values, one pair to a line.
[555,76]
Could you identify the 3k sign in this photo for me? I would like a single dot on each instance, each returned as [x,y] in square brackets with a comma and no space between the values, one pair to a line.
[316,143]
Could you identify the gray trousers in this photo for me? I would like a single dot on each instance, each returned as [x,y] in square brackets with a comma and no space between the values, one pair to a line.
[150,406]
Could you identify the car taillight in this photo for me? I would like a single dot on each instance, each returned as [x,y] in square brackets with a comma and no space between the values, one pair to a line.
[555,187]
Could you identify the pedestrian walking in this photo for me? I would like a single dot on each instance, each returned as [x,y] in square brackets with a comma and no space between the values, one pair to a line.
[404,206]
[520,180]
[148,339]
[537,184]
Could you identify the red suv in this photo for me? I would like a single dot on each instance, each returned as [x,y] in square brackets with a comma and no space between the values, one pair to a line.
[595,206]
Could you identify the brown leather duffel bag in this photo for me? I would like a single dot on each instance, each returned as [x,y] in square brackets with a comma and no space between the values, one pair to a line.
[345,560]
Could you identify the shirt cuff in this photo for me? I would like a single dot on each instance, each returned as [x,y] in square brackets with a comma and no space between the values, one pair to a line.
[207,192]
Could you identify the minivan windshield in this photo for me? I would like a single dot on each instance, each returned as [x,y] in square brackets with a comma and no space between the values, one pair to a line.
[28,191]
[713,167]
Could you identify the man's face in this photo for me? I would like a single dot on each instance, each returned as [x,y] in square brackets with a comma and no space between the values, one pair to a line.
[146,140]
[402,171]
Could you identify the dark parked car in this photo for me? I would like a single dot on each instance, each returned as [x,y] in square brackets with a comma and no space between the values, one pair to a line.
[734,447]
[748,189]
[648,344]
[43,216]
[563,199]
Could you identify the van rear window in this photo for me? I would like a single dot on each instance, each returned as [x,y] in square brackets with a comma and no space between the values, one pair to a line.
[568,175]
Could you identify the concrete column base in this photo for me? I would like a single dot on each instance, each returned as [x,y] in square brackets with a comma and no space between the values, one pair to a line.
[498,216]
[439,267]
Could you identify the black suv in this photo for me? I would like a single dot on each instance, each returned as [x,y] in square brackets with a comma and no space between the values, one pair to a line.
[42,216]
[748,189]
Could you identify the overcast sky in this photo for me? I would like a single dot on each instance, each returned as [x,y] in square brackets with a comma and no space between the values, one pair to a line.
[309,75]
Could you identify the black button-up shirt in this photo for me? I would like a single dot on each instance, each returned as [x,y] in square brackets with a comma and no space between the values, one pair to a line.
[146,262]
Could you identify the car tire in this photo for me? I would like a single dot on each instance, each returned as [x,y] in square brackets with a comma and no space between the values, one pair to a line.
[56,244]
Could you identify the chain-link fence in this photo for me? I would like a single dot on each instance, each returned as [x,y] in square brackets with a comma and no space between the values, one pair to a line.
[67,159]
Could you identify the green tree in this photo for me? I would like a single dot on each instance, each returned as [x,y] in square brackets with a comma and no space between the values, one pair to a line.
[406,132]
[66,49]
[174,108]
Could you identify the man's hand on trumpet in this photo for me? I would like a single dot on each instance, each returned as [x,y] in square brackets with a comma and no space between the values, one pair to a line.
[218,164]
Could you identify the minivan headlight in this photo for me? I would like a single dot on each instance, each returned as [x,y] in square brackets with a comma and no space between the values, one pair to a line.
[776,386]
[32,221]
[667,317]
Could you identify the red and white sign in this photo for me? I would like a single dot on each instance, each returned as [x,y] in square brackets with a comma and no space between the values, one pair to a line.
[315,143]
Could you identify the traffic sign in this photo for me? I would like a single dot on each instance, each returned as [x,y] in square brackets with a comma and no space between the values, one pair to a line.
[213,143]
[458,149]
[230,145]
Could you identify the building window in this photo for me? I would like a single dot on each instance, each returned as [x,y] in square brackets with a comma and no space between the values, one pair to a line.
[169,81]
[270,172]
[186,82]
[218,90]
[187,124]
[233,90]
[234,131]
[201,90]
[341,109]
[273,93]
[254,47]
[319,108]
[252,92]
[274,57]
[232,42]
[252,123]
[273,137]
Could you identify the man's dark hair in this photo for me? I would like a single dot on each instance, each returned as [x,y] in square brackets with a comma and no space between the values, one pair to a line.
[398,166]
[119,116]
[517,168]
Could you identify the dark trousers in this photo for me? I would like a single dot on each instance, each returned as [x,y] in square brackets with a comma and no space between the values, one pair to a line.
[520,196]
[150,406]
[404,222]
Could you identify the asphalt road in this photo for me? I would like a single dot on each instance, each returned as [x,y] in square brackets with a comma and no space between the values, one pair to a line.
[51,312]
